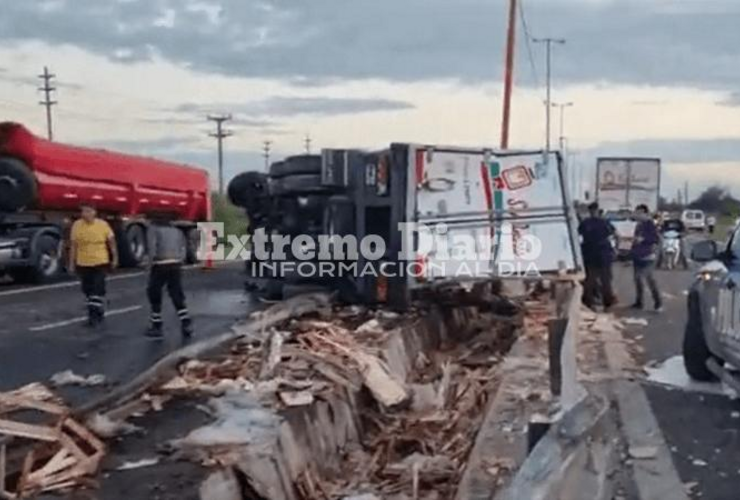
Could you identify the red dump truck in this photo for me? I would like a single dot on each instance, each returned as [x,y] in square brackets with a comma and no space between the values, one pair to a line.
[43,183]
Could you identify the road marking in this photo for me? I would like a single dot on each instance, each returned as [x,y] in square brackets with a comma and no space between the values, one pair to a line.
[82,319]
[74,283]
[57,286]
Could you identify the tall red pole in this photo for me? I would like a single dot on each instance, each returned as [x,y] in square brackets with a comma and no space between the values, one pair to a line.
[509,74]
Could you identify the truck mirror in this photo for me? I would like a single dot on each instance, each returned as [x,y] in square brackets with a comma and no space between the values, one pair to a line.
[705,251]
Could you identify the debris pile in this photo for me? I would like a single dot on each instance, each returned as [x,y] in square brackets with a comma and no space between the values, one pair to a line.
[42,448]
[418,418]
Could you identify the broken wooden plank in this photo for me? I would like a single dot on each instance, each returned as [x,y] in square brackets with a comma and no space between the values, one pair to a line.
[376,375]
[296,398]
[30,431]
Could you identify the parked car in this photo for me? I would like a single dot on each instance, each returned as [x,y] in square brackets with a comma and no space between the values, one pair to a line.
[711,338]
[694,220]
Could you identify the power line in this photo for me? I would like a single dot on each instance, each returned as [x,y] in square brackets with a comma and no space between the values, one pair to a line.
[47,89]
[308,142]
[220,135]
[528,38]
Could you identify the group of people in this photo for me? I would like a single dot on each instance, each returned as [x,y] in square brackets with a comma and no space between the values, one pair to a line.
[597,235]
[93,253]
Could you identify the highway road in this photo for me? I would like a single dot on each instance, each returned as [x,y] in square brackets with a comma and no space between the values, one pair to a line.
[42,329]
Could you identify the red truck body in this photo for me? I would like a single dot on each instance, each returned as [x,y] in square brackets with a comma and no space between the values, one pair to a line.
[115,183]
[43,184]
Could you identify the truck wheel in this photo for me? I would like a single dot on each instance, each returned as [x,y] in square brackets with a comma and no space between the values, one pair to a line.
[192,241]
[17,185]
[47,265]
[296,165]
[132,245]
[695,350]
[297,185]
[245,190]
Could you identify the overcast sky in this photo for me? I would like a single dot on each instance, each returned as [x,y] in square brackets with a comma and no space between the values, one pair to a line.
[648,77]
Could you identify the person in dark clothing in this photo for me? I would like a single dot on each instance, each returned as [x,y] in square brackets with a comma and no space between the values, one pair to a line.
[167,251]
[644,255]
[598,255]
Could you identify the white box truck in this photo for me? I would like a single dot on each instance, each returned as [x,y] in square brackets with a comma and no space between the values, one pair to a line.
[622,184]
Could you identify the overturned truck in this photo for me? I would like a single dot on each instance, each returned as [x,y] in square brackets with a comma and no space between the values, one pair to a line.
[381,225]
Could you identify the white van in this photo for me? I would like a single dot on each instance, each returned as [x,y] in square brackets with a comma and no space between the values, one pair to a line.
[694,219]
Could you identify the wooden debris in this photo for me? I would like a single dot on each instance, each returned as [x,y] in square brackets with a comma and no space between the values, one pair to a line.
[296,398]
[387,389]
[272,355]
[58,452]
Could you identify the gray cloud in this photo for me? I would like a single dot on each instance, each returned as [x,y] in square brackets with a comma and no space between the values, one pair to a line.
[692,42]
[733,100]
[292,106]
[151,147]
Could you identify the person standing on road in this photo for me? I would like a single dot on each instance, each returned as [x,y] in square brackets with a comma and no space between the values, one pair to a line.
[92,254]
[167,250]
[644,255]
[598,255]
[711,223]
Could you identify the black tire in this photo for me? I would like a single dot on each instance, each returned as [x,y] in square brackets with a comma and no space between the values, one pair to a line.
[296,185]
[17,185]
[695,350]
[47,266]
[296,165]
[246,190]
[132,249]
[192,241]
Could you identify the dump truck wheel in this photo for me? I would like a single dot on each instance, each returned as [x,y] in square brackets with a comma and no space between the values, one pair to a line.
[297,185]
[247,189]
[17,185]
[132,245]
[296,165]
[192,241]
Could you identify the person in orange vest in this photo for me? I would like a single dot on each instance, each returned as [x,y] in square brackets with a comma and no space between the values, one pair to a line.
[92,254]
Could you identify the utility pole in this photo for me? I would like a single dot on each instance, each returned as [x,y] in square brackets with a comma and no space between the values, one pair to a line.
[509,74]
[47,89]
[308,144]
[686,193]
[548,103]
[562,123]
[266,147]
[220,135]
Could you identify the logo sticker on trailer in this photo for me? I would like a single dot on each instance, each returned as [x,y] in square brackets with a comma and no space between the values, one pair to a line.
[517,178]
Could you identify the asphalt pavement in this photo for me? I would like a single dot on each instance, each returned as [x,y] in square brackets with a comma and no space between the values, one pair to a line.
[42,329]
[701,429]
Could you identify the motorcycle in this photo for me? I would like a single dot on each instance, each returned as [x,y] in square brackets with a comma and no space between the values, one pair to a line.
[671,252]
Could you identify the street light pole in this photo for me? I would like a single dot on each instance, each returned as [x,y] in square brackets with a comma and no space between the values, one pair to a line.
[548,44]
[562,123]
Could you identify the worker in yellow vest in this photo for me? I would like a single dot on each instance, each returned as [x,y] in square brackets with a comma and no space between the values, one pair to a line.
[92,254]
